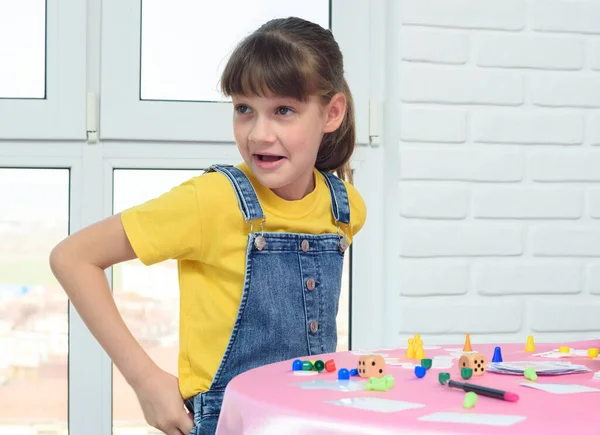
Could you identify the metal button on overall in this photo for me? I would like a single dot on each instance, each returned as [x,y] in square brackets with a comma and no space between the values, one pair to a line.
[305,245]
[314,326]
[310,284]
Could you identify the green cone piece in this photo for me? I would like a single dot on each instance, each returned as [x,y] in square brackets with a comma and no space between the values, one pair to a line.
[530,374]
[466,372]
[443,377]
[319,365]
[426,362]
[380,384]
[470,400]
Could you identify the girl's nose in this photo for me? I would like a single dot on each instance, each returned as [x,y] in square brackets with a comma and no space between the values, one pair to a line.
[261,132]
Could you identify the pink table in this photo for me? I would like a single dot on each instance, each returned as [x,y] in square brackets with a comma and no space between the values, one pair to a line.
[267,400]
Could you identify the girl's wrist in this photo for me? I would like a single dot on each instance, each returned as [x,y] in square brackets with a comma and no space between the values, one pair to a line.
[140,369]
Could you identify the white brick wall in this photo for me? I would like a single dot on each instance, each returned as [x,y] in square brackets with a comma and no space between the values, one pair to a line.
[499,171]
[595,54]
[519,51]
[594,128]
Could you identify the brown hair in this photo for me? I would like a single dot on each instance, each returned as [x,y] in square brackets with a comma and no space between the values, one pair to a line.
[295,58]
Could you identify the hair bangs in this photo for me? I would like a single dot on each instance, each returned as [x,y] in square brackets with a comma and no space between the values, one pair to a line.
[268,65]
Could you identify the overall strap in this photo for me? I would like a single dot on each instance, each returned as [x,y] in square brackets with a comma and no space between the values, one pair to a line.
[340,204]
[244,191]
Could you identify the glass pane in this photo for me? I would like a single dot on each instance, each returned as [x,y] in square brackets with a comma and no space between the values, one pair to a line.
[33,307]
[22,49]
[186,43]
[343,317]
[148,297]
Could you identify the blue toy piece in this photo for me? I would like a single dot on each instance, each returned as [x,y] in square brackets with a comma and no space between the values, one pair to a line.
[497,355]
[420,371]
[297,365]
[343,375]
[354,372]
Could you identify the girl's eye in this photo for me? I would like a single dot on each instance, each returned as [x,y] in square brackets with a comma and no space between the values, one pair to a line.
[242,109]
[284,111]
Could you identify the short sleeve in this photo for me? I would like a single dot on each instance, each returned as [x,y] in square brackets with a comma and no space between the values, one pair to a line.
[358,210]
[166,227]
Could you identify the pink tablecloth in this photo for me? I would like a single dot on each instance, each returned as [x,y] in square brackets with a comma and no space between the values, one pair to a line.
[268,400]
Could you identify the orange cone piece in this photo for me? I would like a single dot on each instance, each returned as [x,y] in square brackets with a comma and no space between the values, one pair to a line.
[467,347]
[530,346]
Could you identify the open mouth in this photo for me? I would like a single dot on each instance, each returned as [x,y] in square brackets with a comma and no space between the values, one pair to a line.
[268,158]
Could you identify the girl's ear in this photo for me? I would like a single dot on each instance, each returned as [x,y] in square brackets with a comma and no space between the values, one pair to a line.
[335,111]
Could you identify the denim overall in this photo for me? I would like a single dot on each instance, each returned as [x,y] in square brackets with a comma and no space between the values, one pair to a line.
[290,298]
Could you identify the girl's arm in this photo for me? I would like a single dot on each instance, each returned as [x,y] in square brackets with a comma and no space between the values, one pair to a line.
[78,263]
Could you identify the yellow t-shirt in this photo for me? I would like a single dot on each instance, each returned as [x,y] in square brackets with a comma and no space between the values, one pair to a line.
[199,223]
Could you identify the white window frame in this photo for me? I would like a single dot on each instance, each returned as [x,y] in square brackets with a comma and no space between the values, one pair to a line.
[61,115]
[86,357]
[41,134]
[125,117]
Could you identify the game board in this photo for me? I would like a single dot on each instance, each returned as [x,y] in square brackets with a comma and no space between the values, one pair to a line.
[404,392]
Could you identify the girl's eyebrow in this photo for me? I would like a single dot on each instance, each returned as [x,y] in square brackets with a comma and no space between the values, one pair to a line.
[289,100]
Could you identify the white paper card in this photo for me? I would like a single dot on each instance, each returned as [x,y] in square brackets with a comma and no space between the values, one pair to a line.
[540,367]
[360,352]
[376,404]
[436,363]
[305,373]
[470,418]
[561,388]
[339,385]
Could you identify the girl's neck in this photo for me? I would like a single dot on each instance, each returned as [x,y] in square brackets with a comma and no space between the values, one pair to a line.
[297,190]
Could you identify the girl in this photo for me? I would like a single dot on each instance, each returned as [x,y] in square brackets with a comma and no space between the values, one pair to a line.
[259,246]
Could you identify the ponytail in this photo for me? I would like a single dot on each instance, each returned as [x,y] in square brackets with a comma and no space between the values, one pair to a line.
[337,147]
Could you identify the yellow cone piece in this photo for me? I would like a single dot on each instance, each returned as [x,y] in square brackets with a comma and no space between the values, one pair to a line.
[410,350]
[530,346]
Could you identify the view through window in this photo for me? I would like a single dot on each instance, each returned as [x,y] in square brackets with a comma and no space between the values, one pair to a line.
[33,307]
[147,297]
[184,44]
[22,49]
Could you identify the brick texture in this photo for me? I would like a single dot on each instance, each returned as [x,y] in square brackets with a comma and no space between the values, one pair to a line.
[497,228]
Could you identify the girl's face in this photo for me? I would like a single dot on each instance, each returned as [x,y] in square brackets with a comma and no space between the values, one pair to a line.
[279,138]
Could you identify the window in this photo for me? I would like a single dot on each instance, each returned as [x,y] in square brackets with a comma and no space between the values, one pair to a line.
[23,49]
[343,317]
[33,306]
[147,297]
[156,123]
[43,83]
[176,61]
[161,62]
